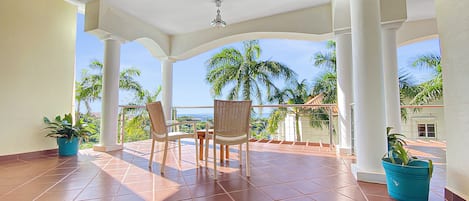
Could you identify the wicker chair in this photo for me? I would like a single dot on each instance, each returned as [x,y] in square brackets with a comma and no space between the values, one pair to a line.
[231,127]
[160,133]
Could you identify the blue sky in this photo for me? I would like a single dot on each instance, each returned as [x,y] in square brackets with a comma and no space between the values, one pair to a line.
[189,86]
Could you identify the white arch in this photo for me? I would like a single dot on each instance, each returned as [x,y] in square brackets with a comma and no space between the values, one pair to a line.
[415,31]
[249,36]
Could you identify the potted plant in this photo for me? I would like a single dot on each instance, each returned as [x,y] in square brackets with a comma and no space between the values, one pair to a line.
[68,134]
[407,177]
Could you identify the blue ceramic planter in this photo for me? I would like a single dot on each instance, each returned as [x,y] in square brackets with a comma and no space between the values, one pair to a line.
[410,182]
[68,148]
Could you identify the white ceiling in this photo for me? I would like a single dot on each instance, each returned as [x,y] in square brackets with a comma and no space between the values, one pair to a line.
[420,9]
[184,16]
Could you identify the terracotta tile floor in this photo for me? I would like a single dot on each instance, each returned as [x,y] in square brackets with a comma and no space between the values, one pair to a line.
[279,172]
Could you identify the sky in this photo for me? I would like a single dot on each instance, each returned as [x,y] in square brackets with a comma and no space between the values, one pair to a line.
[189,85]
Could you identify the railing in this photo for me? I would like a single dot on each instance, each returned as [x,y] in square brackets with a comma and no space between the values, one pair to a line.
[326,136]
[308,134]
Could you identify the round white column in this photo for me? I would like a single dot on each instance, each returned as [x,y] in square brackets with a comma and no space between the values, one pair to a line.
[167,87]
[452,20]
[368,90]
[391,77]
[344,89]
[110,97]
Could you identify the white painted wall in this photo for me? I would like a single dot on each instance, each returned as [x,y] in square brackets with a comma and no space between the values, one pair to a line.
[452,21]
[37,54]
[286,131]
[425,115]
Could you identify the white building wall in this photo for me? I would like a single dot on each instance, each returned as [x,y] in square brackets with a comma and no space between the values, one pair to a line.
[37,54]
[286,131]
[425,115]
[289,125]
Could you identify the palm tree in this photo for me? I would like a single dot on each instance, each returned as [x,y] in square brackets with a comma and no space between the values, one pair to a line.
[408,89]
[328,58]
[431,90]
[327,83]
[295,93]
[244,74]
[138,127]
[89,89]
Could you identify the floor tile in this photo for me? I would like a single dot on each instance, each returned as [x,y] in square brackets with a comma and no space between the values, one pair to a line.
[330,195]
[301,198]
[307,187]
[278,172]
[204,190]
[129,197]
[280,191]
[235,185]
[250,194]
[171,194]
[220,197]
[59,196]
[353,192]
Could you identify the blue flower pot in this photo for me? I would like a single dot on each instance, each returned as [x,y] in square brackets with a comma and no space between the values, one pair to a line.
[411,182]
[68,148]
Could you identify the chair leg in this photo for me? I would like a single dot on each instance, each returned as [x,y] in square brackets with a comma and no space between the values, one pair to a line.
[206,150]
[248,167]
[214,160]
[240,154]
[196,151]
[179,149]
[222,153]
[164,157]
[151,153]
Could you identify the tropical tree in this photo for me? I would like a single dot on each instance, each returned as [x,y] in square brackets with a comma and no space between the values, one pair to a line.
[244,74]
[327,58]
[430,90]
[327,83]
[138,126]
[295,93]
[258,128]
[89,89]
[408,89]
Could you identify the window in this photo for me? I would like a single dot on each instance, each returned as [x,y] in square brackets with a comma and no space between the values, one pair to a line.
[426,130]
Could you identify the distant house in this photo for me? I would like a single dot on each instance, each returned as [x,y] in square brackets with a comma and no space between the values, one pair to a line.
[423,124]
[286,129]
[426,123]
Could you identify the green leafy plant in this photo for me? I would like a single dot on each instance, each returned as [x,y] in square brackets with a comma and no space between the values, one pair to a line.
[63,127]
[394,138]
[397,154]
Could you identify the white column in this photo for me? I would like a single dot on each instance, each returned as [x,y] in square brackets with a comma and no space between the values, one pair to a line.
[167,86]
[391,77]
[452,21]
[110,97]
[344,89]
[368,91]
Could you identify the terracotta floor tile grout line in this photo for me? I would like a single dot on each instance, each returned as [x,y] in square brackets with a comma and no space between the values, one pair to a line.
[55,184]
[91,180]
[32,179]
[125,176]
[224,190]
[356,183]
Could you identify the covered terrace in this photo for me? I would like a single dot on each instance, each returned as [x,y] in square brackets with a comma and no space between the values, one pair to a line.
[37,48]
